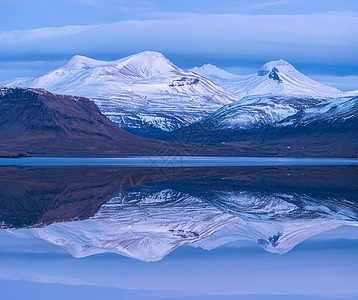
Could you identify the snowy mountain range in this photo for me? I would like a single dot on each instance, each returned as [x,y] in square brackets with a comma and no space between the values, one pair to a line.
[141,93]
[266,113]
[281,112]
[148,95]
[275,93]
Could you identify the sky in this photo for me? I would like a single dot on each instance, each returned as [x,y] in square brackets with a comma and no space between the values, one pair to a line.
[322,267]
[319,37]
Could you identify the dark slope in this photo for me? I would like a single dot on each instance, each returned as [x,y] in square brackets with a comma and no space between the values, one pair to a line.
[41,123]
[329,129]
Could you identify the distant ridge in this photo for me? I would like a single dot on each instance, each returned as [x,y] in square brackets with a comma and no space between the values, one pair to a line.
[274,78]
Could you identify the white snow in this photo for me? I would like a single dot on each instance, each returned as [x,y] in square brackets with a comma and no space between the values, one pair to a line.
[289,81]
[338,109]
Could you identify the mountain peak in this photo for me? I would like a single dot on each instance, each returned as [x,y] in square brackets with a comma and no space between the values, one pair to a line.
[274,67]
[209,67]
[146,56]
[82,62]
[147,64]
[150,53]
[212,71]
[277,63]
[277,77]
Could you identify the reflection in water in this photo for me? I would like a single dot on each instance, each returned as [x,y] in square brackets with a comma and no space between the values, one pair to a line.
[147,213]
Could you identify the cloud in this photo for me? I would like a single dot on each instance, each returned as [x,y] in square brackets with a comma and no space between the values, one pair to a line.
[23,36]
[188,39]
[344,83]
[267,4]
[308,38]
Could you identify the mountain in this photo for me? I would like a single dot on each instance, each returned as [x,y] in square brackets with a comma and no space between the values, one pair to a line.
[332,111]
[278,111]
[276,92]
[257,111]
[143,93]
[277,127]
[262,111]
[38,122]
[274,78]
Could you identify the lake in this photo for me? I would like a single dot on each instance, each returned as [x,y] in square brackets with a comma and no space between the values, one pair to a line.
[179,228]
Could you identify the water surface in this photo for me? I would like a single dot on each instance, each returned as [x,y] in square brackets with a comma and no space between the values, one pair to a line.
[185,232]
[178,161]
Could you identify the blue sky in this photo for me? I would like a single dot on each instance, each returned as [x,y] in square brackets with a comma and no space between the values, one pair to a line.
[319,37]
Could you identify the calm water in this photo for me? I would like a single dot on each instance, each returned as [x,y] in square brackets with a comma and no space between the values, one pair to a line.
[179,161]
[277,229]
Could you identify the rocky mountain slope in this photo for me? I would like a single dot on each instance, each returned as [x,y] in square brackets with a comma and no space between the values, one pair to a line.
[41,123]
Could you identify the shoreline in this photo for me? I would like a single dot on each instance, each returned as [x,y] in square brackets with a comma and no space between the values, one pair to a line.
[177,161]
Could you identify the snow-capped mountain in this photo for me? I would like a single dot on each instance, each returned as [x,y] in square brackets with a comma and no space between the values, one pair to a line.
[267,111]
[276,92]
[336,110]
[277,95]
[147,94]
[274,78]
[141,92]
[256,112]
[281,126]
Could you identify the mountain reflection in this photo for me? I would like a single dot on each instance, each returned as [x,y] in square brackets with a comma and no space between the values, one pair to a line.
[146,213]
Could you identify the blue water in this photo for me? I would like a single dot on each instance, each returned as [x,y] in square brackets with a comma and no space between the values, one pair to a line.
[178,161]
[235,210]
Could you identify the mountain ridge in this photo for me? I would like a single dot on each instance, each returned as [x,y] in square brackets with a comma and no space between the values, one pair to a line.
[273,78]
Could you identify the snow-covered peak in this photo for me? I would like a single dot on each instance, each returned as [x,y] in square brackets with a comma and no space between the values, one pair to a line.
[209,70]
[146,74]
[274,78]
[145,57]
[274,69]
[276,64]
[147,64]
[145,90]
[79,62]
[144,64]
